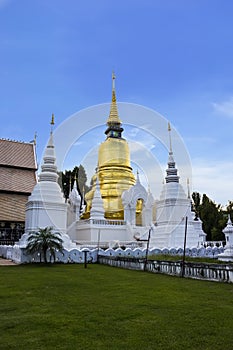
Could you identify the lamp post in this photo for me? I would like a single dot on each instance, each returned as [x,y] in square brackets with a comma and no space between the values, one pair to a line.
[85,250]
[185,237]
[147,249]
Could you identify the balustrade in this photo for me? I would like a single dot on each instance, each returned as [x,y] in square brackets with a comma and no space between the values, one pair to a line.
[213,272]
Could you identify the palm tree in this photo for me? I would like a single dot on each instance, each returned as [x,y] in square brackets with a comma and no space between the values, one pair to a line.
[44,240]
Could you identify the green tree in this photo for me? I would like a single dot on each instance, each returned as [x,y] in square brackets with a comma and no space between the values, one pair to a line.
[197,202]
[44,240]
[67,178]
[82,179]
[230,208]
[212,217]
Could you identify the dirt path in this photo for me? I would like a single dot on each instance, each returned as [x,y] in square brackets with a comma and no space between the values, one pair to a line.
[6,262]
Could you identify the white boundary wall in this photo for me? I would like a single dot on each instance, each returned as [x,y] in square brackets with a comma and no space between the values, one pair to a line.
[76,255]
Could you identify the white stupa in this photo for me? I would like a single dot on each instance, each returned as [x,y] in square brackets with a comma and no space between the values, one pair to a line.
[46,206]
[227,255]
[97,209]
[172,208]
[75,204]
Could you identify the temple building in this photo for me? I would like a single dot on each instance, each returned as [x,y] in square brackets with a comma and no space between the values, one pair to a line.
[119,209]
[17,179]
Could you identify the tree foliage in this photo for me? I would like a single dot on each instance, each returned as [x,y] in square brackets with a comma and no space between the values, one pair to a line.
[213,217]
[230,208]
[197,202]
[67,178]
[44,240]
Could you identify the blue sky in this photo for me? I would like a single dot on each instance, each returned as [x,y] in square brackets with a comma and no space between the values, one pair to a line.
[173,56]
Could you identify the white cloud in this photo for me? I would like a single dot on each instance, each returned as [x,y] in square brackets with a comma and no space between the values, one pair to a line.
[225,107]
[214,179]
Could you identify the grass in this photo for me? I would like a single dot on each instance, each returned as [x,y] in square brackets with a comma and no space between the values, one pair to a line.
[69,307]
[168,257]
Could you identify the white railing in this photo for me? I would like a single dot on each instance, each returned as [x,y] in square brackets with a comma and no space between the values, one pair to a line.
[102,222]
[211,244]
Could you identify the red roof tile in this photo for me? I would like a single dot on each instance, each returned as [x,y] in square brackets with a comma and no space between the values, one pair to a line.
[18,154]
[12,207]
[17,180]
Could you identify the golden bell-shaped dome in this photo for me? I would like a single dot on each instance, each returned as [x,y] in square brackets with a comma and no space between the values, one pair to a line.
[114,171]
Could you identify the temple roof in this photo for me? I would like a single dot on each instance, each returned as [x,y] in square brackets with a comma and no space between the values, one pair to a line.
[12,207]
[17,154]
[17,180]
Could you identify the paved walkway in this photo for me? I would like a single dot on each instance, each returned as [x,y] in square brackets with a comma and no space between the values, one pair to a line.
[6,262]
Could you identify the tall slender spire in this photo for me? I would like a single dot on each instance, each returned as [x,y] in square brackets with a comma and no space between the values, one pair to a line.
[114,122]
[171,169]
[97,209]
[52,123]
[113,87]
[74,195]
[75,181]
[48,167]
[113,116]
[170,139]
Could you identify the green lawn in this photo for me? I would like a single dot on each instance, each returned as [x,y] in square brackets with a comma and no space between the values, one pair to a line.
[69,307]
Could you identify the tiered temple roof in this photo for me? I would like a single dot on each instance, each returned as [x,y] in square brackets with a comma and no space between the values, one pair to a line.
[17,178]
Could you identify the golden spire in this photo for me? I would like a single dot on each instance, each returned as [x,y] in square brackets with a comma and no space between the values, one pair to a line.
[113,116]
[170,140]
[113,87]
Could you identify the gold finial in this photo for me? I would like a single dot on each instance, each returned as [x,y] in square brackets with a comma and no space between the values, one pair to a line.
[113,87]
[113,116]
[170,140]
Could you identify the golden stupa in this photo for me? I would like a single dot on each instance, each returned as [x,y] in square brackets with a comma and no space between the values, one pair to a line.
[113,171]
